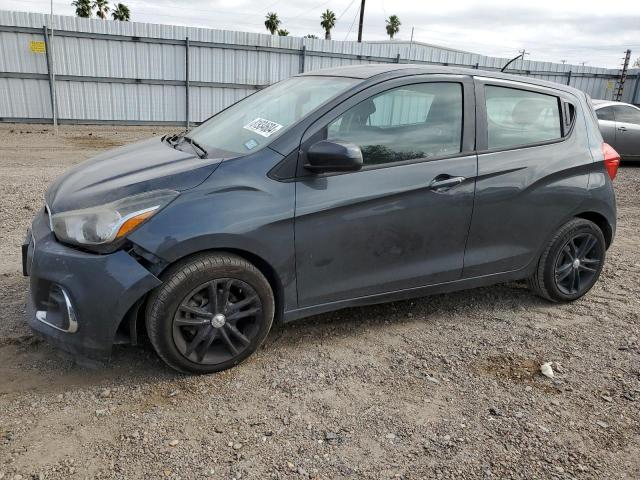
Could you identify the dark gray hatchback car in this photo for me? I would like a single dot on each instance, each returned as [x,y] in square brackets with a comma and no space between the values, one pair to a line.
[337,188]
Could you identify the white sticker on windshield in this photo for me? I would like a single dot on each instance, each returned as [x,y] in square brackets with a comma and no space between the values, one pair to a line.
[263,127]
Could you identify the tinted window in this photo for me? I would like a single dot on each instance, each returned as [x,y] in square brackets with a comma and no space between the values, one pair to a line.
[626,114]
[605,113]
[519,117]
[406,123]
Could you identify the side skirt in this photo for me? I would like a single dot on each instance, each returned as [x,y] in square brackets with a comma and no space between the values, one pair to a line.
[463,284]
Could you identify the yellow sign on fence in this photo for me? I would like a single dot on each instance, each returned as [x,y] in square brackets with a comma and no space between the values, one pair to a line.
[37,46]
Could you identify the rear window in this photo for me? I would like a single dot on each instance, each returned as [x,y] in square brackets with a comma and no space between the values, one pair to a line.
[520,117]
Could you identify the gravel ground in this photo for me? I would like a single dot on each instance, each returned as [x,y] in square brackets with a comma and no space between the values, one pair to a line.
[447,386]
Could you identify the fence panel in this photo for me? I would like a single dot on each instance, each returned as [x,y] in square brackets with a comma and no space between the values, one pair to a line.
[126,72]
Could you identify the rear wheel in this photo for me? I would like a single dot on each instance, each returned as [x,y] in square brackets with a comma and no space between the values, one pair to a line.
[211,312]
[571,263]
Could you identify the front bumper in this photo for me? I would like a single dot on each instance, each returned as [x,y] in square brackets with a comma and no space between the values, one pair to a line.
[97,290]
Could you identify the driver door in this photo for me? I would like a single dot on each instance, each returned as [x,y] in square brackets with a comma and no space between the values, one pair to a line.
[402,221]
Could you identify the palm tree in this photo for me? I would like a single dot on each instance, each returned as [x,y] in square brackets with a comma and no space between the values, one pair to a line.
[272,22]
[283,32]
[393,26]
[83,8]
[102,8]
[311,35]
[121,12]
[328,22]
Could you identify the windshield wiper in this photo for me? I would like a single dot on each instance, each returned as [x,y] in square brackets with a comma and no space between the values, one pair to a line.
[179,138]
[195,145]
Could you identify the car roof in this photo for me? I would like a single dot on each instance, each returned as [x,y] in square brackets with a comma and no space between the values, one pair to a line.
[405,69]
[597,104]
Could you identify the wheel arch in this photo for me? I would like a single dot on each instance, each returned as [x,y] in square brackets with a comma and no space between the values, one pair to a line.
[266,268]
[136,312]
[602,223]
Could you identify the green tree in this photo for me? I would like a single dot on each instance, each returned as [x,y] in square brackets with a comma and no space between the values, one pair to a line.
[272,22]
[83,8]
[121,12]
[283,32]
[393,26]
[102,8]
[311,35]
[328,22]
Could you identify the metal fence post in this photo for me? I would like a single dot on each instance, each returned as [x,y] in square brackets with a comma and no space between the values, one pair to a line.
[569,77]
[52,85]
[186,80]
[303,55]
[398,58]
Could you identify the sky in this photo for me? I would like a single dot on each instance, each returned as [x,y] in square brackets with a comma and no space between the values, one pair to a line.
[597,33]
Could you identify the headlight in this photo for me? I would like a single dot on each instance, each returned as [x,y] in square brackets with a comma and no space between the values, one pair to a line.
[112,221]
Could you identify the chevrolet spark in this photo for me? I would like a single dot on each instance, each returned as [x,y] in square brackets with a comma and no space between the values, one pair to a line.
[337,188]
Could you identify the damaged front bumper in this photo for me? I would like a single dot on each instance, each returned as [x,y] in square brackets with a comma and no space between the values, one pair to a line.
[78,299]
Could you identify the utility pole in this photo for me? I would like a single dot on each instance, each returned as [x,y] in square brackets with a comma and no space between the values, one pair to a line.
[622,76]
[361,22]
[54,102]
[410,45]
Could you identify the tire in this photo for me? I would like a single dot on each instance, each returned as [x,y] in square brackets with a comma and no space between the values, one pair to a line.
[211,313]
[555,275]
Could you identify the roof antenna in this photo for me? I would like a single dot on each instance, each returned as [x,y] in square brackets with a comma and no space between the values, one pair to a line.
[522,54]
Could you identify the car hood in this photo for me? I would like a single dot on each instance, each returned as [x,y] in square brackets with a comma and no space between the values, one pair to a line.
[139,167]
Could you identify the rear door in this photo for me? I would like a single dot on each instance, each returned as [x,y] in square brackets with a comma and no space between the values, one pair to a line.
[628,130]
[390,226]
[533,170]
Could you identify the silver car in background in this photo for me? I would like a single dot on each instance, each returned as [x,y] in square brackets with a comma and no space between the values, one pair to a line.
[620,126]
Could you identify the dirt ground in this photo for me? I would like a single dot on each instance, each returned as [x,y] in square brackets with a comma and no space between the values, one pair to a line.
[440,387]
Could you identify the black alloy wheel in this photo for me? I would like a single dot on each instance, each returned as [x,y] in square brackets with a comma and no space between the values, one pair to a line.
[211,312]
[571,262]
[577,264]
[217,321]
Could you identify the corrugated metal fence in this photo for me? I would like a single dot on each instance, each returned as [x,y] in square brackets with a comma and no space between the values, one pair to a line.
[138,73]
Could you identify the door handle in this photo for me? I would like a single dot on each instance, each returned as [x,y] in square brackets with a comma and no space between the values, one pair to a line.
[444,182]
[622,129]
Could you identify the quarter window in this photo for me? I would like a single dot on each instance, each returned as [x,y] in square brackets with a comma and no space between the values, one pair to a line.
[520,117]
[627,114]
[411,122]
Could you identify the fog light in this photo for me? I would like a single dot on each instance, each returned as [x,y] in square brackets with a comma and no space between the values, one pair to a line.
[59,313]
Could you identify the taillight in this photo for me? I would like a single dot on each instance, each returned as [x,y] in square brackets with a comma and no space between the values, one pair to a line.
[611,160]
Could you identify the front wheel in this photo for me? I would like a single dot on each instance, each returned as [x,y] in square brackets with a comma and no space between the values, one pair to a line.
[571,262]
[211,313]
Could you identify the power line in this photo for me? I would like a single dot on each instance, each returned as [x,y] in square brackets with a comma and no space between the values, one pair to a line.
[345,10]
[352,24]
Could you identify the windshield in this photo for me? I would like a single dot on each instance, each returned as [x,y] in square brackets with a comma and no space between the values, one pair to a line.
[259,119]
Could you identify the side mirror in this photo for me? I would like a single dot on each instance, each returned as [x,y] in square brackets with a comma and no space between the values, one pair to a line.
[326,156]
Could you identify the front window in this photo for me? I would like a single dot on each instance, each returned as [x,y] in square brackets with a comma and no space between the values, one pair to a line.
[259,119]
[411,122]
[627,114]
[606,113]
